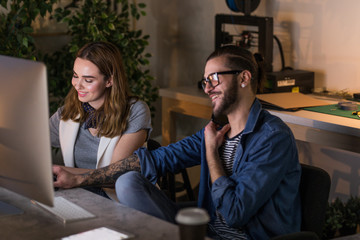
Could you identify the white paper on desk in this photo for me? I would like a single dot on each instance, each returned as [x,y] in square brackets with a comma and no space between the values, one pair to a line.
[99,233]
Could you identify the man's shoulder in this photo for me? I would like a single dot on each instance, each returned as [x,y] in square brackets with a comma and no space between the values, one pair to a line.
[272,122]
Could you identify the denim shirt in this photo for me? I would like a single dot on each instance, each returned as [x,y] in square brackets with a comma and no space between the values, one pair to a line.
[261,196]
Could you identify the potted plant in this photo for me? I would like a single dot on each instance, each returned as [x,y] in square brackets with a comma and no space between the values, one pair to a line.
[333,219]
[16,29]
[91,20]
[351,216]
[342,218]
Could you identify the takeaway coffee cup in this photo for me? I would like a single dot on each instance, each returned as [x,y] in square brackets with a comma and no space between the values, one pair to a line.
[192,222]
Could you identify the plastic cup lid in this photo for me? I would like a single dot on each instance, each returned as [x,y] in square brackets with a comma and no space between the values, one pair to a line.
[192,216]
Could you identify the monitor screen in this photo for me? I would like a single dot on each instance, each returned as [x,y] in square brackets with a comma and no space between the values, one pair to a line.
[25,151]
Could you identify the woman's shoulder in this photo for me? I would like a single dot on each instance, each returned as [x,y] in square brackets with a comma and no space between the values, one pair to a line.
[137,104]
[139,110]
[58,112]
[56,116]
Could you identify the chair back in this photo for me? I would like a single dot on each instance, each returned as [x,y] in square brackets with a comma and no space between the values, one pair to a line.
[167,183]
[153,144]
[314,191]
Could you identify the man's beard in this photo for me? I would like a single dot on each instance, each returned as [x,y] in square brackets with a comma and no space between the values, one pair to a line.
[230,96]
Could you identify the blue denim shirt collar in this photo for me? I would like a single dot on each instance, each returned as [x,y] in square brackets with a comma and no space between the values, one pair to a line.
[253,116]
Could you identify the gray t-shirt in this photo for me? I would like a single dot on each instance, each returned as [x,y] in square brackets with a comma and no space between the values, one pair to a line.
[86,145]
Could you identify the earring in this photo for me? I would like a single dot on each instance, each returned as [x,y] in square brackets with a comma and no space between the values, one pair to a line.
[243,85]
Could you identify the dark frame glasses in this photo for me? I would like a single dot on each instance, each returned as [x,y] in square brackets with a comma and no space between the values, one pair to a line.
[213,78]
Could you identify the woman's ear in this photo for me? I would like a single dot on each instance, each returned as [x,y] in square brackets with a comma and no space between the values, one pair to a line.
[109,82]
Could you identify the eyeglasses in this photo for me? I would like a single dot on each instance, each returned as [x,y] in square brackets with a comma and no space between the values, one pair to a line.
[213,78]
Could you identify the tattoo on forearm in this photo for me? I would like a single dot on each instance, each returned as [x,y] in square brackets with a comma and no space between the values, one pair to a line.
[107,176]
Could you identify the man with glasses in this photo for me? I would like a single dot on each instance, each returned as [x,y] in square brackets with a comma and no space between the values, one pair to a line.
[250,171]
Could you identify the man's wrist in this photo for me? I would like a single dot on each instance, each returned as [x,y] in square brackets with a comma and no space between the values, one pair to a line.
[211,151]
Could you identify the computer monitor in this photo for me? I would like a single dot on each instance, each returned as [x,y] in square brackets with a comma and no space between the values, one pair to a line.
[25,151]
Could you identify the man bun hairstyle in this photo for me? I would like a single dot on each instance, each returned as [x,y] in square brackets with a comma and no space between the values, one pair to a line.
[239,58]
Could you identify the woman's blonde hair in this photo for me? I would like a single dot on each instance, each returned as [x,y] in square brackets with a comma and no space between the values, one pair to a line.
[112,116]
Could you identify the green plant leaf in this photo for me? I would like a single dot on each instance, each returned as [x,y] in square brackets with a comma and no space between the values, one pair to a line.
[104,15]
[111,26]
[25,42]
[74,48]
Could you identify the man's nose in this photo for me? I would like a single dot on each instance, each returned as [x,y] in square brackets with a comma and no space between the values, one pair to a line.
[208,87]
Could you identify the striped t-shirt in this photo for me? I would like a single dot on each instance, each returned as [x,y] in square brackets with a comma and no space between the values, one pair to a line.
[227,153]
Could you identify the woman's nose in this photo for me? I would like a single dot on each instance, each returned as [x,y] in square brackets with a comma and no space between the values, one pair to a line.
[77,84]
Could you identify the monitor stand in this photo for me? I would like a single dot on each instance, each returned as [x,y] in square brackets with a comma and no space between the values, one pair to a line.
[8,209]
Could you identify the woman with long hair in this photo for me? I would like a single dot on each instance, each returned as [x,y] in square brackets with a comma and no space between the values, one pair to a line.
[100,122]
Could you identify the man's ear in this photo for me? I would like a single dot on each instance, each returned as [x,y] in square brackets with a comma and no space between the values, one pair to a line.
[245,78]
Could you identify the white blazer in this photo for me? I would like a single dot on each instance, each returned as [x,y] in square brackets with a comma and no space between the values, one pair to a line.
[68,131]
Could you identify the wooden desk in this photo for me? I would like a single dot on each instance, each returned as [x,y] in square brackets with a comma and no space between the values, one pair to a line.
[324,129]
[37,223]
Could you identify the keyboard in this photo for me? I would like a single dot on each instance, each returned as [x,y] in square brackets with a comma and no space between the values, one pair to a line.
[67,211]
